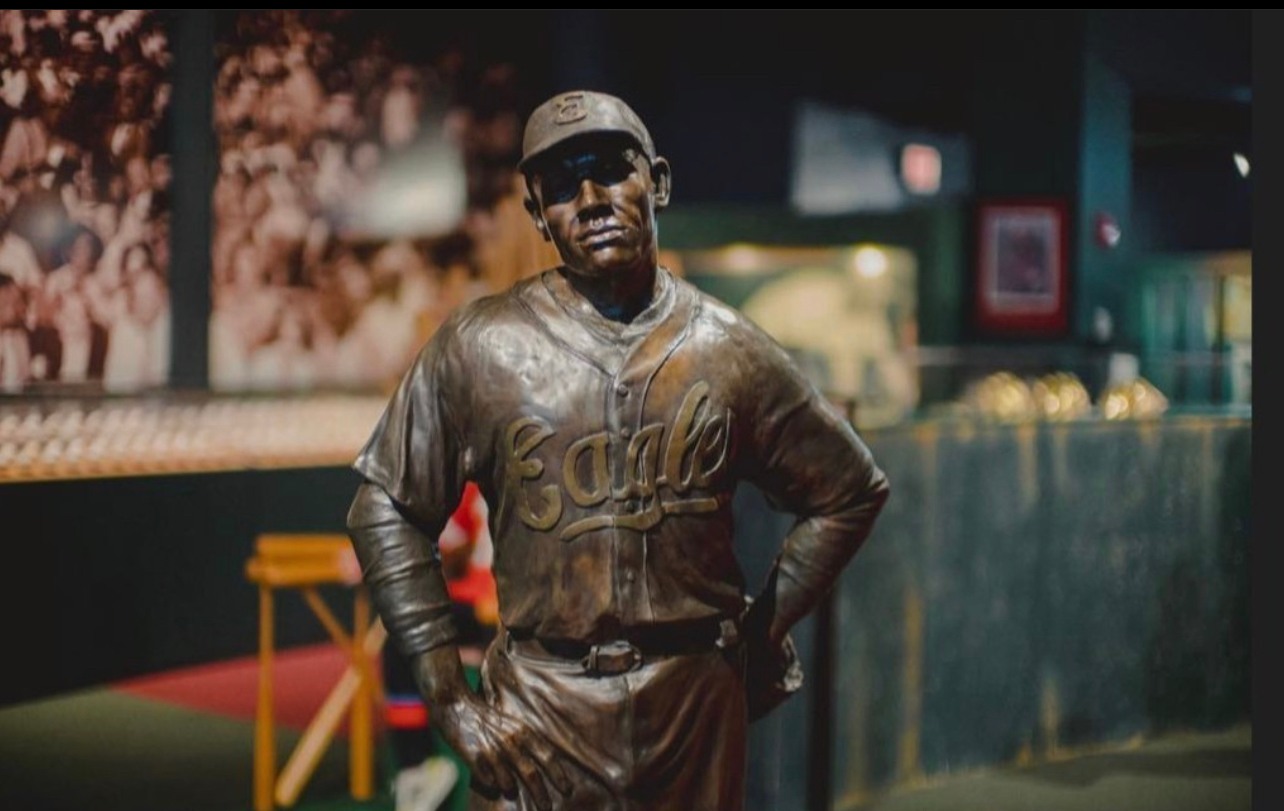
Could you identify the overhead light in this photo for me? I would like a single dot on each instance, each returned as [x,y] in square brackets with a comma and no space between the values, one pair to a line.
[870,262]
[1241,163]
[740,257]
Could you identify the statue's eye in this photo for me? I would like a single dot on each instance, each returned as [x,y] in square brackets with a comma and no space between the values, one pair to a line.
[560,184]
[612,170]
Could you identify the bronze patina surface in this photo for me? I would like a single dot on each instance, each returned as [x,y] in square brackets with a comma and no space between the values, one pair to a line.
[607,410]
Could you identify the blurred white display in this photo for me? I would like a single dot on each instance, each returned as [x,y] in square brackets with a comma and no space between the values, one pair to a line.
[847,315]
[366,188]
[74,439]
[848,160]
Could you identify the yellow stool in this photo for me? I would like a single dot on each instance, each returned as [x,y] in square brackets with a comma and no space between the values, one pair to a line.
[301,561]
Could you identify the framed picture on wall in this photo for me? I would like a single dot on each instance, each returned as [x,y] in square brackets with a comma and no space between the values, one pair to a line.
[1022,280]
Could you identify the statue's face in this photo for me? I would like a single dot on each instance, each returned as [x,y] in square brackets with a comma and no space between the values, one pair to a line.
[597,197]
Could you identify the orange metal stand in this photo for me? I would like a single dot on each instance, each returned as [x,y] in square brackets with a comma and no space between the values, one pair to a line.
[304,562]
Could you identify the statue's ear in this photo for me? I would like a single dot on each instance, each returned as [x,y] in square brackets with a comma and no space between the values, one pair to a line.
[533,209]
[662,177]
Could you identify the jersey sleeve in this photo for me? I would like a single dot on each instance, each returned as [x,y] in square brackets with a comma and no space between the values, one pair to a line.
[415,473]
[808,460]
[415,453]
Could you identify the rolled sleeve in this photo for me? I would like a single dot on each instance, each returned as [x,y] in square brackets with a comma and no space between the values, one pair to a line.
[414,471]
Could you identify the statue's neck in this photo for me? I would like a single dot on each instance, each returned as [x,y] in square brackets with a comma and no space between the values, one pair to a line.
[619,297]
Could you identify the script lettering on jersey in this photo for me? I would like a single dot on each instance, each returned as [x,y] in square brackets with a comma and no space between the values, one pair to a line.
[660,473]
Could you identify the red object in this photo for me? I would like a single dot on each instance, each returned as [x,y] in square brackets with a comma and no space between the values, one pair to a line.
[921,168]
[406,714]
[477,584]
[1108,232]
[466,514]
[302,677]
[1022,268]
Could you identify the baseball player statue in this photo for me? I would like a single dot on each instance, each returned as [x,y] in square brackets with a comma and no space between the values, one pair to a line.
[607,411]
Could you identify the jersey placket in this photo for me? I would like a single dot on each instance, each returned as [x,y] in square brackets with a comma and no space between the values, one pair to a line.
[634,459]
[628,557]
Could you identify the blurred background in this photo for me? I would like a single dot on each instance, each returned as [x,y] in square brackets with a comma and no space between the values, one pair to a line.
[1014,247]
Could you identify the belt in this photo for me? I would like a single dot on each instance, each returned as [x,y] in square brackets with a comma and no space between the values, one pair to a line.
[636,646]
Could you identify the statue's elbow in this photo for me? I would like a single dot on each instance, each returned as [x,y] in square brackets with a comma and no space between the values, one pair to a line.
[369,506]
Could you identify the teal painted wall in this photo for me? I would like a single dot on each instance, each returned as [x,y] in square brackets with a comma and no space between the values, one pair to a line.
[1030,590]
[1102,274]
[1051,119]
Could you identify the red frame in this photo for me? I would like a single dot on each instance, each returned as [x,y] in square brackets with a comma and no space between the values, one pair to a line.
[1022,267]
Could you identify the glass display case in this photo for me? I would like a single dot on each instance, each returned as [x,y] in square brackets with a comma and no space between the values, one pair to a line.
[1194,317]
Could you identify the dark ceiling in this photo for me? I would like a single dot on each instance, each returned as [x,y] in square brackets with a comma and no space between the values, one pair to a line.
[1186,68]
[1190,71]
[699,76]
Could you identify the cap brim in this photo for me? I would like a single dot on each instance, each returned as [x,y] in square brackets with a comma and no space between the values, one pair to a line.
[565,136]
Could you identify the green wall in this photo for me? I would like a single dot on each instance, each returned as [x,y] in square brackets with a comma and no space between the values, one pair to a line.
[1103,274]
[141,574]
[1033,590]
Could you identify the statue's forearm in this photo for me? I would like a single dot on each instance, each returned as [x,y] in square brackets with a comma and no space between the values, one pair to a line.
[813,556]
[401,566]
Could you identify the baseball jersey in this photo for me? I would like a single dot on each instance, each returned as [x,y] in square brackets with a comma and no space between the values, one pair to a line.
[609,454]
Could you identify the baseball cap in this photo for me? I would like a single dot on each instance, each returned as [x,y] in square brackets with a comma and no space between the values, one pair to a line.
[578,112]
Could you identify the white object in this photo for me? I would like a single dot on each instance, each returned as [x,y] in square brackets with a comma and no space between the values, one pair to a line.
[426,786]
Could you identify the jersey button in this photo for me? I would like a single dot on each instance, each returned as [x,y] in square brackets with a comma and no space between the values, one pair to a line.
[622,390]
[625,432]
[630,575]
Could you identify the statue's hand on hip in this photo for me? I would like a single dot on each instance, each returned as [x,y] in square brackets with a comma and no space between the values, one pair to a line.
[505,756]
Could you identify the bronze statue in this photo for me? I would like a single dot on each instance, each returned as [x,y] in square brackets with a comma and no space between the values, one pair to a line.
[607,410]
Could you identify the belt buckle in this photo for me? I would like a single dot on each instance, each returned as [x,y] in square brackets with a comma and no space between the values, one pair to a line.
[613,658]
